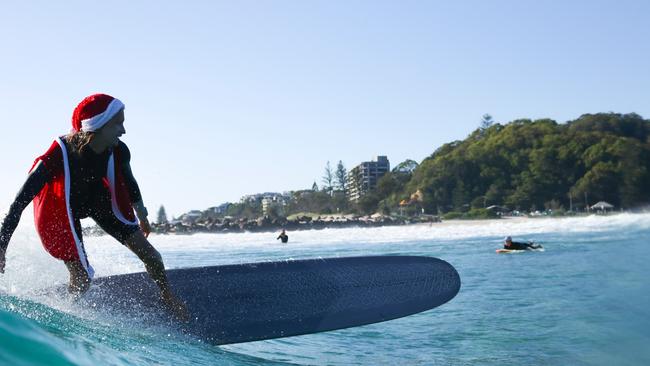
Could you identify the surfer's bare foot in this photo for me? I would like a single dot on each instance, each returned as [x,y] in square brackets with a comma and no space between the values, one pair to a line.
[176,307]
[79,280]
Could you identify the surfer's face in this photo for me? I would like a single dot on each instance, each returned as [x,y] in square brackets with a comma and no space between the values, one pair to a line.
[110,133]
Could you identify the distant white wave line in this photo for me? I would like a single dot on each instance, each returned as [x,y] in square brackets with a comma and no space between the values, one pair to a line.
[437,231]
[448,230]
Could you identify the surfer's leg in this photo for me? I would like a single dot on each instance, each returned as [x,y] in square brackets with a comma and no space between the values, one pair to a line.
[152,260]
[155,267]
[79,280]
[133,238]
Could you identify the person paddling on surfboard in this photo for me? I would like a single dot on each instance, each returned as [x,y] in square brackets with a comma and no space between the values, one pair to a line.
[513,245]
[87,173]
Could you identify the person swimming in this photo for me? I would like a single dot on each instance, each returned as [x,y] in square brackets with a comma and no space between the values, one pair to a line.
[513,245]
[283,236]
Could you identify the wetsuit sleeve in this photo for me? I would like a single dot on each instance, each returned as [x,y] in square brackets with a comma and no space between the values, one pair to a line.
[35,182]
[131,183]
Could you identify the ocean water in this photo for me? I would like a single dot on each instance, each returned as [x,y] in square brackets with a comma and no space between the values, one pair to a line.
[585,300]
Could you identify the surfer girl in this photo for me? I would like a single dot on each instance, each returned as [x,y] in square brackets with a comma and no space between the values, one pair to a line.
[87,173]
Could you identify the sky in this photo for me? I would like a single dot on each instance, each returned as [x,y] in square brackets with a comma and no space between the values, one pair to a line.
[228,98]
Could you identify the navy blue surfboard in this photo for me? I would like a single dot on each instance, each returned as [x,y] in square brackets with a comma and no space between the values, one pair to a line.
[250,302]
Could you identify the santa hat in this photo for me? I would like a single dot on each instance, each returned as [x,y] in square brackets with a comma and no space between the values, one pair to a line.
[94,111]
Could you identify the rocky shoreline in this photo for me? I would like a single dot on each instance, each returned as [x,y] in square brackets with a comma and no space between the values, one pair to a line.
[266,224]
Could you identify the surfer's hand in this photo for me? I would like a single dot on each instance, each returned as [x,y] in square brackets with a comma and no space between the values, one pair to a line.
[176,307]
[145,226]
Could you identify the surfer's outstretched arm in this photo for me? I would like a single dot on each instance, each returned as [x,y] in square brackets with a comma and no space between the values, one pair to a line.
[155,267]
[33,184]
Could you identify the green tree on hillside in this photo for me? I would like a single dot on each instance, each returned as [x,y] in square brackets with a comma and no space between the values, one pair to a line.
[531,165]
[328,179]
[162,215]
[341,176]
[406,167]
[486,122]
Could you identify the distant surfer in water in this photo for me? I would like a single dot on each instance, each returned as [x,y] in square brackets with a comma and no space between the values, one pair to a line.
[513,245]
[283,236]
[87,173]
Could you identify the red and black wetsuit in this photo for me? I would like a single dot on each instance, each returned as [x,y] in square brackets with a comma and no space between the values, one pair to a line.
[87,192]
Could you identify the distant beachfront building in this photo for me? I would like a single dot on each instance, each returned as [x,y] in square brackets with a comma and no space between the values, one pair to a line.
[272,196]
[217,211]
[364,177]
[269,201]
[276,203]
[191,217]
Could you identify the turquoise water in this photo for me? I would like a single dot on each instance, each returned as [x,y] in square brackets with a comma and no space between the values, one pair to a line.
[585,300]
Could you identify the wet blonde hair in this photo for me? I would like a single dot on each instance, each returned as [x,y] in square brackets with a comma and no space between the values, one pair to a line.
[78,140]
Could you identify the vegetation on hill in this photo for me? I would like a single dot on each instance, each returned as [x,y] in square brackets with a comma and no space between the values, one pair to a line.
[536,165]
[523,165]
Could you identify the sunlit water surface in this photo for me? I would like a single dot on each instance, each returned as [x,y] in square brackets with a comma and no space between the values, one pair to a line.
[585,300]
